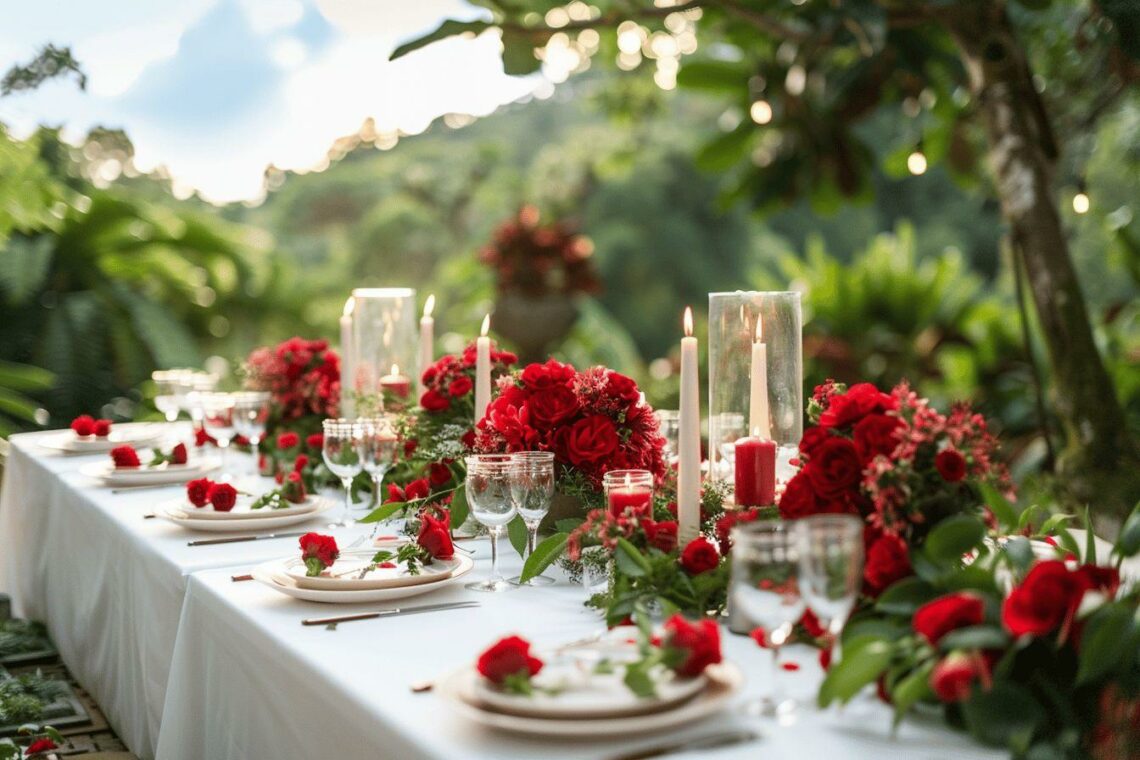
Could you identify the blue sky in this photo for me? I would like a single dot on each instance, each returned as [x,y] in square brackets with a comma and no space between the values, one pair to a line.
[216,90]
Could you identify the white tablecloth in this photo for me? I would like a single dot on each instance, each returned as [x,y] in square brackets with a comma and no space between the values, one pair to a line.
[249,681]
[108,583]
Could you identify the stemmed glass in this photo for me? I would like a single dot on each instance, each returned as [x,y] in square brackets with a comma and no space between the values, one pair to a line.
[380,444]
[198,384]
[669,425]
[830,549]
[251,412]
[489,495]
[344,456]
[218,419]
[171,386]
[532,487]
[765,587]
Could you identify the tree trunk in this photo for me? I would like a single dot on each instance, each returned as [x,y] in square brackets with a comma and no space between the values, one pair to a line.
[1099,464]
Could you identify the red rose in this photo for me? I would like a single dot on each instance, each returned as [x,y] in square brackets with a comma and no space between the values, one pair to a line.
[433,401]
[701,640]
[859,401]
[730,520]
[1046,599]
[395,494]
[179,455]
[287,440]
[811,624]
[552,407]
[812,439]
[439,473]
[435,535]
[508,657]
[835,468]
[799,499]
[699,555]
[101,428]
[877,434]
[222,495]
[125,457]
[318,552]
[953,677]
[539,377]
[201,437]
[460,386]
[1106,579]
[951,465]
[660,535]
[590,440]
[40,745]
[410,447]
[300,463]
[887,562]
[83,425]
[417,489]
[937,618]
[197,491]
[294,488]
[621,387]
[468,440]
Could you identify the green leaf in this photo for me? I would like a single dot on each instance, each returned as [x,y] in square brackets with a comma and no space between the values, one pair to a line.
[1053,523]
[1026,517]
[519,57]
[24,377]
[911,689]
[1105,641]
[856,670]
[1067,542]
[714,76]
[953,537]
[1090,539]
[974,637]
[629,560]
[543,556]
[724,151]
[1003,510]
[638,681]
[905,596]
[459,508]
[517,532]
[1128,544]
[383,512]
[1006,713]
[1019,552]
[568,524]
[449,28]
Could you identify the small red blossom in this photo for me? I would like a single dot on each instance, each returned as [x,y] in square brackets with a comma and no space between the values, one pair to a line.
[288,440]
[507,657]
[197,491]
[222,496]
[953,678]
[293,488]
[699,556]
[700,640]
[83,425]
[101,428]
[318,552]
[951,465]
[460,386]
[39,746]
[125,457]
[316,441]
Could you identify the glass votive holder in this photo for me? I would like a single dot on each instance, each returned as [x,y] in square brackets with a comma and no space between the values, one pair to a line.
[628,490]
[669,425]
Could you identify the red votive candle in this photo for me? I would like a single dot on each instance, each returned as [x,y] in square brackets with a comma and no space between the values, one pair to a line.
[627,489]
[755,472]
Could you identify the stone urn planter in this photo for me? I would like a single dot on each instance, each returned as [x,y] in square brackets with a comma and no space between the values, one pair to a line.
[534,324]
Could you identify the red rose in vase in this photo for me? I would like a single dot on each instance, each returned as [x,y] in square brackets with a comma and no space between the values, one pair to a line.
[590,440]
[877,434]
[856,403]
[460,386]
[699,556]
[799,499]
[552,407]
[1045,600]
[836,468]
[700,641]
[508,657]
[888,560]
[939,617]
[541,377]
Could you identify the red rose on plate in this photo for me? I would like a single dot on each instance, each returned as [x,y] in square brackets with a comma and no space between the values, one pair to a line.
[552,406]
[835,468]
[318,552]
[179,455]
[660,535]
[937,618]
[508,657]
[201,437]
[435,535]
[293,489]
[590,440]
[433,401]
[877,434]
[887,562]
[460,386]
[799,499]
[222,496]
[198,491]
[316,441]
[124,457]
[700,640]
[101,428]
[859,401]
[1045,600]
[40,746]
[951,465]
[83,425]
[953,677]
[699,555]
[417,489]
[287,440]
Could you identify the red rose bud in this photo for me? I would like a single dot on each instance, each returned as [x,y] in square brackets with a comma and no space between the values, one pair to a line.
[700,641]
[939,617]
[660,535]
[316,441]
[83,425]
[40,746]
[825,659]
[508,657]
[198,491]
[1045,600]
[179,455]
[811,624]
[124,457]
[417,489]
[287,440]
[460,386]
[300,463]
[102,428]
[433,401]
[699,555]
[222,496]
[294,488]
[201,438]
[951,465]
[318,552]
[953,677]
[435,535]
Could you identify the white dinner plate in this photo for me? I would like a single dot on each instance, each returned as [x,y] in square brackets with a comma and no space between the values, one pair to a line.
[241,510]
[126,434]
[189,518]
[271,574]
[724,682]
[342,576]
[134,476]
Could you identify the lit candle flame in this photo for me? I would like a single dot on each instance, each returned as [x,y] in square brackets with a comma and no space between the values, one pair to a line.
[429,305]
[349,306]
[486,326]
[688,322]
[759,330]
[395,369]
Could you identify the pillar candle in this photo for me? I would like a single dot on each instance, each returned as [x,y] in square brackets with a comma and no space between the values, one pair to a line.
[427,339]
[755,472]
[482,370]
[347,355]
[637,497]
[689,439]
[758,424]
[396,384]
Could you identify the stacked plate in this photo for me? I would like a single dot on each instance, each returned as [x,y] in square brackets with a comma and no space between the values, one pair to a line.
[353,579]
[163,474]
[241,517]
[125,434]
[572,701]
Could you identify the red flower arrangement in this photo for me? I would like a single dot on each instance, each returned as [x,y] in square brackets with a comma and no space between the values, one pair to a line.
[540,259]
[303,376]
[449,384]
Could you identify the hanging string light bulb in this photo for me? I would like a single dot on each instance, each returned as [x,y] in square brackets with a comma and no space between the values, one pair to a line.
[1081,201]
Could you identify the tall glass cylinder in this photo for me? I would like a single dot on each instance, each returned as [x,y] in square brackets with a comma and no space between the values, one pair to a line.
[381,342]
[761,332]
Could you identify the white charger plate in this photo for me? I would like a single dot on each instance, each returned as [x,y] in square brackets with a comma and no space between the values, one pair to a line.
[185,517]
[725,680]
[134,476]
[241,510]
[271,574]
[342,575]
[124,434]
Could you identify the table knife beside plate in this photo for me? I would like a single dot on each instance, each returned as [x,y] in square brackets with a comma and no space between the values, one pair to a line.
[711,741]
[239,539]
[394,612]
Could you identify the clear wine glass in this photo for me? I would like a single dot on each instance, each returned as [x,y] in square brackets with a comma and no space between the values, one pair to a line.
[532,488]
[765,589]
[830,550]
[344,456]
[169,387]
[489,496]
[218,420]
[251,413]
[197,383]
[730,429]
[669,425]
[380,444]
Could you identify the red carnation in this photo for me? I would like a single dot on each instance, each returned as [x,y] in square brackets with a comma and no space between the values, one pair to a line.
[660,535]
[125,457]
[951,465]
[699,555]
[197,491]
[435,535]
[860,400]
[101,428]
[433,401]
[316,441]
[179,455]
[953,677]
[287,440]
[700,641]
[508,657]
[887,562]
[460,386]
[318,552]
[1046,599]
[835,468]
[939,617]
[877,434]
[83,425]
[222,496]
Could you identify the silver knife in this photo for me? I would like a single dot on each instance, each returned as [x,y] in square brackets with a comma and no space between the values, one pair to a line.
[238,539]
[710,741]
[389,613]
[148,486]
